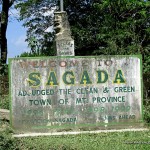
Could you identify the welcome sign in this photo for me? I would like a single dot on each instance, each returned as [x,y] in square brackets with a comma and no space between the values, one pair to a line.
[74,93]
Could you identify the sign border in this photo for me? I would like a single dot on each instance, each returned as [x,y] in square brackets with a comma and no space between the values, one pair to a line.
[102,56]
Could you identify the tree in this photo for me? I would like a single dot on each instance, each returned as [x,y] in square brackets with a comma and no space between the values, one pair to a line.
[98,26]
[5,4]
[38,19]
[111,27]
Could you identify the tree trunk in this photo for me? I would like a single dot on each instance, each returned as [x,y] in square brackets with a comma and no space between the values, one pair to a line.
[4,23]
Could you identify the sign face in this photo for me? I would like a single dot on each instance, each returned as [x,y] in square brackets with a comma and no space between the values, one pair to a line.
[65,47]
[75,93]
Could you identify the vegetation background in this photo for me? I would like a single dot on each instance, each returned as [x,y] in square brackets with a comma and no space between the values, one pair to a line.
[99,27]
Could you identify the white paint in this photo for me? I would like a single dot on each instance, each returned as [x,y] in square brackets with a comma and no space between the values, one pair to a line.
[76,133]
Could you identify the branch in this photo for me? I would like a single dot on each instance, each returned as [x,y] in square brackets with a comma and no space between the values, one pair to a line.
[11,2]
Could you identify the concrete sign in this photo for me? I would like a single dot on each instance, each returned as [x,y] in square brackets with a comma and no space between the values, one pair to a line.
[75,93]
[64,44]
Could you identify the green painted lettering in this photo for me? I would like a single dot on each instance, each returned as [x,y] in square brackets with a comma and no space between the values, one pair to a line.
[102,76]
[85,79]
[34,79]
[67,79]
[52,80]
[119,77]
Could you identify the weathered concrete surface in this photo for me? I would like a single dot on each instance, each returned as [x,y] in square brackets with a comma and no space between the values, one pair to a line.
[65,47]
[61,26]
[85,93]
[4,114]
[64,44]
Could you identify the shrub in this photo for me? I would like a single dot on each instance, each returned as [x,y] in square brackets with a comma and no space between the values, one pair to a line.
[4,102]
[7,142]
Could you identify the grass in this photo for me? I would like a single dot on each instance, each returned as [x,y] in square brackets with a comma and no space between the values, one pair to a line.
[102,141]
[139,140]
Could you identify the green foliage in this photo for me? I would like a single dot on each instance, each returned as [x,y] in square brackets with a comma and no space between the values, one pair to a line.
[146,101]
[146,111]
[3,80]
[3,69]
[146,63]
[36,49]
[37,18]
[7,142]
[111,27]
[4,102]
[123,141]
[27,54]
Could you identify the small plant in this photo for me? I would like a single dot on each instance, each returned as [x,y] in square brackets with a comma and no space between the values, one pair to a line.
[7,142]
[4,102]
[3,69]
[146,111]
